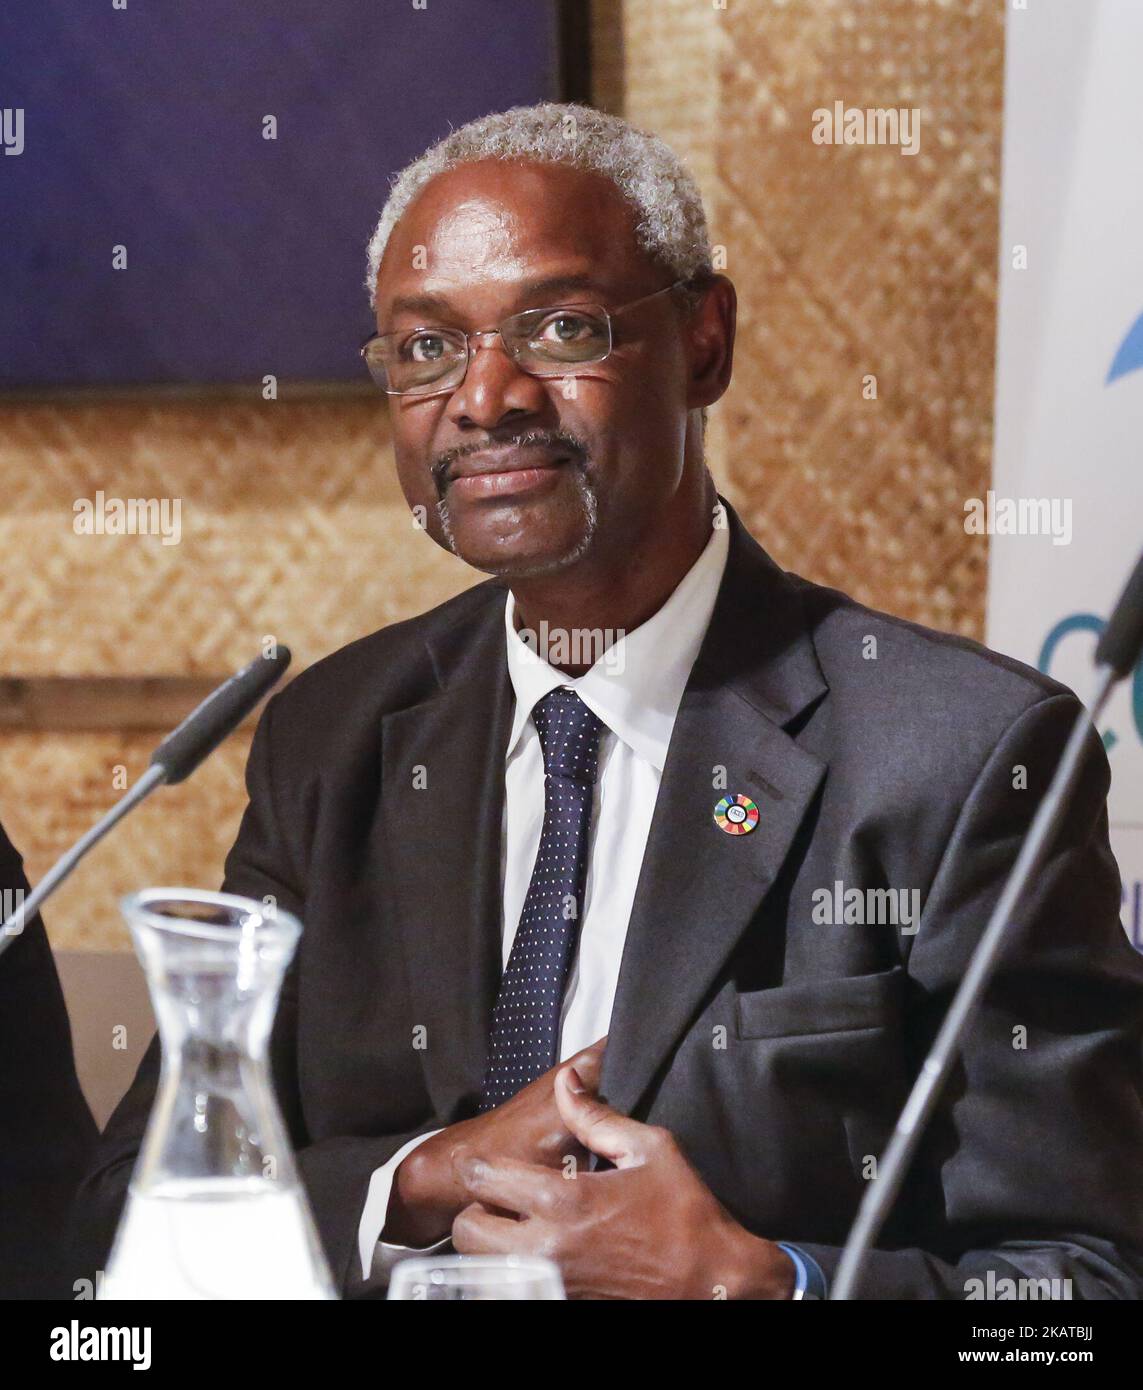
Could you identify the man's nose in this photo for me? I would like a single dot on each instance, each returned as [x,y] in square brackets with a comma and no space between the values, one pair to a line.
[494,387]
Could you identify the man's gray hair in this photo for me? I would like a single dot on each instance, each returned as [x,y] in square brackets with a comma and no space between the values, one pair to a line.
[670,222]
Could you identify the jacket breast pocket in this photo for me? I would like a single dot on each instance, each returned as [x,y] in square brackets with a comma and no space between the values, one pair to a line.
[849,1004]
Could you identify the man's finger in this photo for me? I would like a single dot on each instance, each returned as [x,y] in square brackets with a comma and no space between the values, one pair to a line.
[604,1131]
[525,1188]
[477,1231]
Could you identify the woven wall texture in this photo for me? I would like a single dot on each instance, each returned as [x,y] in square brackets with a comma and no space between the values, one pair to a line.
[849,262]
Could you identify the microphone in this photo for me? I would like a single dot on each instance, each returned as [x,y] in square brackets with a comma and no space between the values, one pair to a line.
[1117,654]
[1122,640]
[217,717]
[173,761]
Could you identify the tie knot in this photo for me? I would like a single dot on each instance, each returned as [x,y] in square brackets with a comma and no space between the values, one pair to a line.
[569,735]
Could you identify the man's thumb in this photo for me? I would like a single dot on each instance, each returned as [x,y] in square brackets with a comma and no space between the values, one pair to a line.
[597,1127]
[589,1064]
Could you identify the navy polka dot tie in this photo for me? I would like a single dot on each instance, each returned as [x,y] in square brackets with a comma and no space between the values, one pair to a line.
[526,1020]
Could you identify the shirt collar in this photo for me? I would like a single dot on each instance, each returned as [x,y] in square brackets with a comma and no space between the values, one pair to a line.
[636,686]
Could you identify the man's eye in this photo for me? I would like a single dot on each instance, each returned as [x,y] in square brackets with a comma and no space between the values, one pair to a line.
[565,328]
[424,347]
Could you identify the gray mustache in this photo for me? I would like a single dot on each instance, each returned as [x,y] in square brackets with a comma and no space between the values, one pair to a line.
[554,439]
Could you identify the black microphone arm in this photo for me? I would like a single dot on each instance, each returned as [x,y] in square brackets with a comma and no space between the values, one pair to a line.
[1116,655]
[173,761]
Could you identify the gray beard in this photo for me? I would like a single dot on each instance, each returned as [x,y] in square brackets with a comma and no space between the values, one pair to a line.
[511,570]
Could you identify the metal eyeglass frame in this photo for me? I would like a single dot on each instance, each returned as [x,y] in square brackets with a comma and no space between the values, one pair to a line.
[565,368]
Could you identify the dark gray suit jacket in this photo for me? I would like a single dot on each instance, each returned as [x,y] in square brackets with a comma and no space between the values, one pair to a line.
[777,1048]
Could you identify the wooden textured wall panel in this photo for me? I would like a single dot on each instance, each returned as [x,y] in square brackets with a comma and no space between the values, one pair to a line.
[292,524]
[858,261]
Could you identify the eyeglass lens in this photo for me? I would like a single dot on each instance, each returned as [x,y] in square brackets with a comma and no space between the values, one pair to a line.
[541,341]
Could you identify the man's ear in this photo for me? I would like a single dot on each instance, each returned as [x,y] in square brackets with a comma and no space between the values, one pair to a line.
[710,330]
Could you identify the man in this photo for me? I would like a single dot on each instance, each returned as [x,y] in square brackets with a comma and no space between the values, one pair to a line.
[47,1135]
[509,846]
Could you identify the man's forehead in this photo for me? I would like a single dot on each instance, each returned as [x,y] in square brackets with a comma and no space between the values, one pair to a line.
[533,287]
[498,218]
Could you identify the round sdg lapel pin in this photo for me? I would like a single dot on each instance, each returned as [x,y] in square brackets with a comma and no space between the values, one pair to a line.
[736,815]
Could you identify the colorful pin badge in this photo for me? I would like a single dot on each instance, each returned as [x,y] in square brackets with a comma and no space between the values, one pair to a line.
[737,815]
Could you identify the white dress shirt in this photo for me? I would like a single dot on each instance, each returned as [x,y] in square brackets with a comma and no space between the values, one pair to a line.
[635,689]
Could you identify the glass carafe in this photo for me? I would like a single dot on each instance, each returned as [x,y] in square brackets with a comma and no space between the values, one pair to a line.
[215,1208]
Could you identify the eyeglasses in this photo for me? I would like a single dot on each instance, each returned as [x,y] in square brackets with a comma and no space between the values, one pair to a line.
[542,342]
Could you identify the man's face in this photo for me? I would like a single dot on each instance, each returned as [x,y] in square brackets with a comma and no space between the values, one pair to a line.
[520,474]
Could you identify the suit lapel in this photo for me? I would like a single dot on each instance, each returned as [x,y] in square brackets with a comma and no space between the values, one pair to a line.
[439,844]
[756,673]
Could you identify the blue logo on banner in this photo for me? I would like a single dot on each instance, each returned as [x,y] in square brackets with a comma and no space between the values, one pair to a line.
[1129,358]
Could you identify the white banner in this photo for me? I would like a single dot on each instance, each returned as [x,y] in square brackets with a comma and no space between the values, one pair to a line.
[1065,519]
